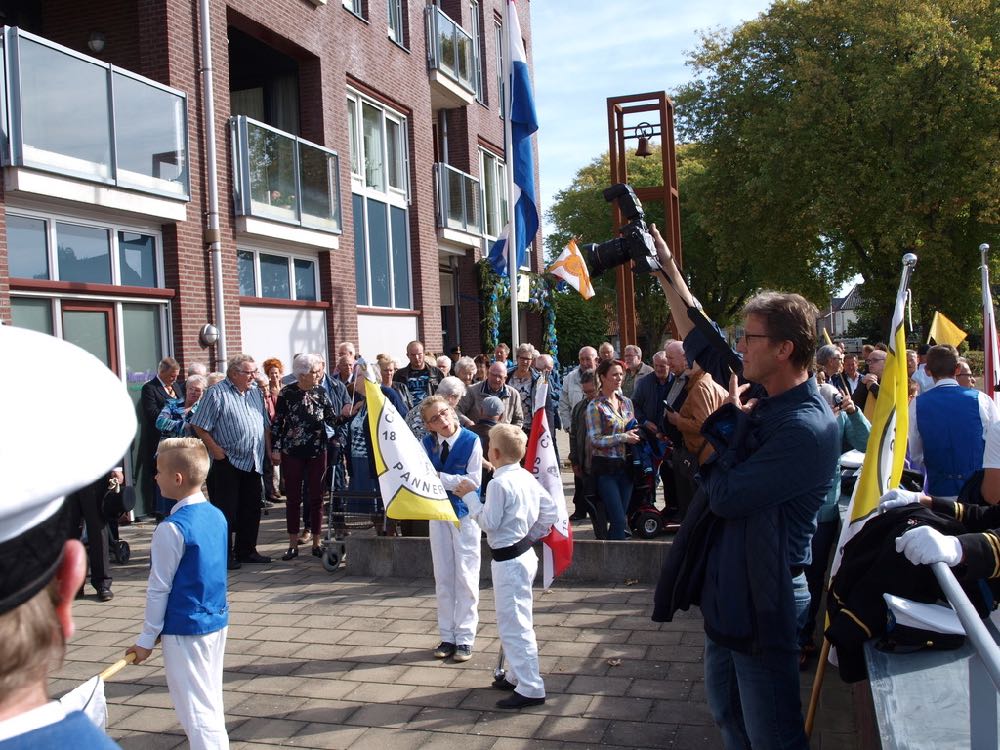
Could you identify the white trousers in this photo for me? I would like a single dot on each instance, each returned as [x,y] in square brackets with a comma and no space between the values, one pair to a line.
[455,554]
[512,581]
[194,679]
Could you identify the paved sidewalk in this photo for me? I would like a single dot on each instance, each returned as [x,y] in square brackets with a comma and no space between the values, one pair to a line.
[321,660]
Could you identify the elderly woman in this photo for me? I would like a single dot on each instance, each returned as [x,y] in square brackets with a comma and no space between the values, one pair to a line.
[273,371]
[298,440]
[174,421]
[465,370]
[387,368]
[451,389]
[611,426]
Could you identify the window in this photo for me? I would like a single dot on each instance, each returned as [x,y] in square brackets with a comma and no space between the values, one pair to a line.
[88,253]
[380,170]
[493,173]
[477,49]
[276,275]
[501,89]
[357,7]
[397,30]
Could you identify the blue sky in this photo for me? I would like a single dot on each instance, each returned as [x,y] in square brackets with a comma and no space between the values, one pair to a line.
[587,50]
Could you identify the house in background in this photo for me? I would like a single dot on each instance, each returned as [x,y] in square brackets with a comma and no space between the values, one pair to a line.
[360,174]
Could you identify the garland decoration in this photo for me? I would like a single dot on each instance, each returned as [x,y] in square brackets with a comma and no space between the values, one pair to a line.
[493,288]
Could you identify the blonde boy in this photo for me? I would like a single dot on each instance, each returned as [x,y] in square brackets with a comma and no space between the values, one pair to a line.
[186,599]
[516,513]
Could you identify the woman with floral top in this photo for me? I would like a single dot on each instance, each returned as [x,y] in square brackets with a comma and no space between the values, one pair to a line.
[611,426]
[298,441]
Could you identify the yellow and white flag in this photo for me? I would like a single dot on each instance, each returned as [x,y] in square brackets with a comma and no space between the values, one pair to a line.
[886,449]
[571,268]
[411,488]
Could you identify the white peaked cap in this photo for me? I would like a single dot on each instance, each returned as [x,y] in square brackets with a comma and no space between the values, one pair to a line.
[55,440]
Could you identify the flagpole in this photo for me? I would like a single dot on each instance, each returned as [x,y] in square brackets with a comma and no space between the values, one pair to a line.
[508,145]
[991,364]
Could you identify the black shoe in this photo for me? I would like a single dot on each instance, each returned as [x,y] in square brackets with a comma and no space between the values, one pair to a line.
[292,553]
[444,650]
[578,515]
[317,551]
[516,700]
[500,683]
[105,594]
[255,557]
[233,564]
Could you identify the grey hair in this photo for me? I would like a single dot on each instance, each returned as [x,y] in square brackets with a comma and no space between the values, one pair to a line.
[302,364]
[633,349]
[549,362]
[467,363]
[446,358]
[451,386]
[197,368]
[196,380]
[236,360]
[827,352]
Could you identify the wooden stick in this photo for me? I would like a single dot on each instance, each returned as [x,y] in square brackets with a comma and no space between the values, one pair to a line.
[817,686]
[117,667]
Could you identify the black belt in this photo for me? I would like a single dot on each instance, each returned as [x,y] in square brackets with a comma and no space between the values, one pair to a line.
[796,570]
[509,553]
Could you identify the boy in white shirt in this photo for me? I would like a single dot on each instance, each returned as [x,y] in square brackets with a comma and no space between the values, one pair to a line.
[516,513]
[186,598]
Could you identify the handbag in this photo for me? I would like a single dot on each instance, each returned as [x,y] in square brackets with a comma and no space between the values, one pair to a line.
[118,500]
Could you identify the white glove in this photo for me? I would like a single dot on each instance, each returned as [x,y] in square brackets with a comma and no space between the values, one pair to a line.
[923,546]
[896,499]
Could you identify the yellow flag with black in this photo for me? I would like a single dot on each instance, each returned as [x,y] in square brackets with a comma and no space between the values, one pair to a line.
[411,489]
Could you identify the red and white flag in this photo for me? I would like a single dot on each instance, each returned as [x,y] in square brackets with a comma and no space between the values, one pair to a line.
[991,376]
[541,461]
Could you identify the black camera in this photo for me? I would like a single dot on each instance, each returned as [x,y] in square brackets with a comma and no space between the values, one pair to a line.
[633,243]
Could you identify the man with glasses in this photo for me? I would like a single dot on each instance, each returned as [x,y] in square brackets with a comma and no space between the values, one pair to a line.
[635,368]
[866,393]
[457,455]
[764,487]
[232,421]
[470,408]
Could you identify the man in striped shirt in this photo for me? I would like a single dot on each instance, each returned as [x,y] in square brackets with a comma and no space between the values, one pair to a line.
[233,423]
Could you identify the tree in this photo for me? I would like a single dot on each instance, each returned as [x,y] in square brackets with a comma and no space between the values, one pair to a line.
[838,135]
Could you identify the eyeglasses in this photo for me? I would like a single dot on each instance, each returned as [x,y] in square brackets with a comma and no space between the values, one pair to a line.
[439,416]
[747,336]
[248,372]
[964,375]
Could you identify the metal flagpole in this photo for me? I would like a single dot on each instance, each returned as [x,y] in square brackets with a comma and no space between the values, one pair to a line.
[508,145]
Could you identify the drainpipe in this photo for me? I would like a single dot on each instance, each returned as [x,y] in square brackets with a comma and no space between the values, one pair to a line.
[212,234]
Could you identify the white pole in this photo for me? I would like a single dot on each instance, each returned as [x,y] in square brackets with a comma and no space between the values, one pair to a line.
[512,268]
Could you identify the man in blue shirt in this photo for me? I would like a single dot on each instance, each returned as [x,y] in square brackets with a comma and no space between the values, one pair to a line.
[233,424]
[754,592]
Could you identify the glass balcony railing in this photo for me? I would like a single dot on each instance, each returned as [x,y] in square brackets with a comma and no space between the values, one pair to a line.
[74,115]
[457,200]
[284,178]
[449,48]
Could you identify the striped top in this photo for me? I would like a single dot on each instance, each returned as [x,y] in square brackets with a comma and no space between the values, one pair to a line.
[236,422]
[606,427]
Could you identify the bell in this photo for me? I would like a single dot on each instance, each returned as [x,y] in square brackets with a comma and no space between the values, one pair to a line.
[643,148]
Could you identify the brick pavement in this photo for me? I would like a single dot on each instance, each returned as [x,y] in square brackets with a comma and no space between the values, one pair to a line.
[321,660]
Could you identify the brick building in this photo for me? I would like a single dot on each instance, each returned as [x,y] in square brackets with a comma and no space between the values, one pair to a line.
[359,174]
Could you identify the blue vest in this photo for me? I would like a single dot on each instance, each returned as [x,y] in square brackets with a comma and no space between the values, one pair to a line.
[76,731]
[952,433]
[197,601]
[456,463]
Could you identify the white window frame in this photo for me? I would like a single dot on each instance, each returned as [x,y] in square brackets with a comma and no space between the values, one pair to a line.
[52,248]
[477,52]
[396,31]
[490,161]
[357,7]
[501,88]
[258,250]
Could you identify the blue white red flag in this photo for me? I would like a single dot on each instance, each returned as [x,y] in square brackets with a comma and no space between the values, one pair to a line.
[523,122]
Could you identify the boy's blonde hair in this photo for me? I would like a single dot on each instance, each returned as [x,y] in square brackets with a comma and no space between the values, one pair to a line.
[31,642]
[187,456]
[509,440]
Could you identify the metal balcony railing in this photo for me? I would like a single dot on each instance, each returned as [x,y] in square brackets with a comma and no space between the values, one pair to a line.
[76,116]
[457,199]
[449,48]
[281,177]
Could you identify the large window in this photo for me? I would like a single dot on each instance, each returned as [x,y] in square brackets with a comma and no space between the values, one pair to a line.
[493,173]
[277,275]
[380,183]
[60,249]
[397,21]
[357,7]
[476,27]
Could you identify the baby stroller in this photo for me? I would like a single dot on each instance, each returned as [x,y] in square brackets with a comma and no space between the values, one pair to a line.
[117,501]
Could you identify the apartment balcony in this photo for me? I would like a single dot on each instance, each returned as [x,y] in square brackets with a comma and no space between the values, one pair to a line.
[459,215]
[79,129]
[284,186]
[450,61]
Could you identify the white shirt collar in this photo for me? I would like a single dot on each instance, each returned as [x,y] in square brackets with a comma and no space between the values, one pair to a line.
[50,713]
[189,500]
[945,381]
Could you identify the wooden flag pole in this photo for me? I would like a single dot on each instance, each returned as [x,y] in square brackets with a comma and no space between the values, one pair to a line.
[817,687]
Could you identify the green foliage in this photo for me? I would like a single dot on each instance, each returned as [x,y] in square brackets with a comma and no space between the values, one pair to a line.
[836,136]
[977,361]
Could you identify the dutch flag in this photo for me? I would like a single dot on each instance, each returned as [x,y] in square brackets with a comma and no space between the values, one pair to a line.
[522,122]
